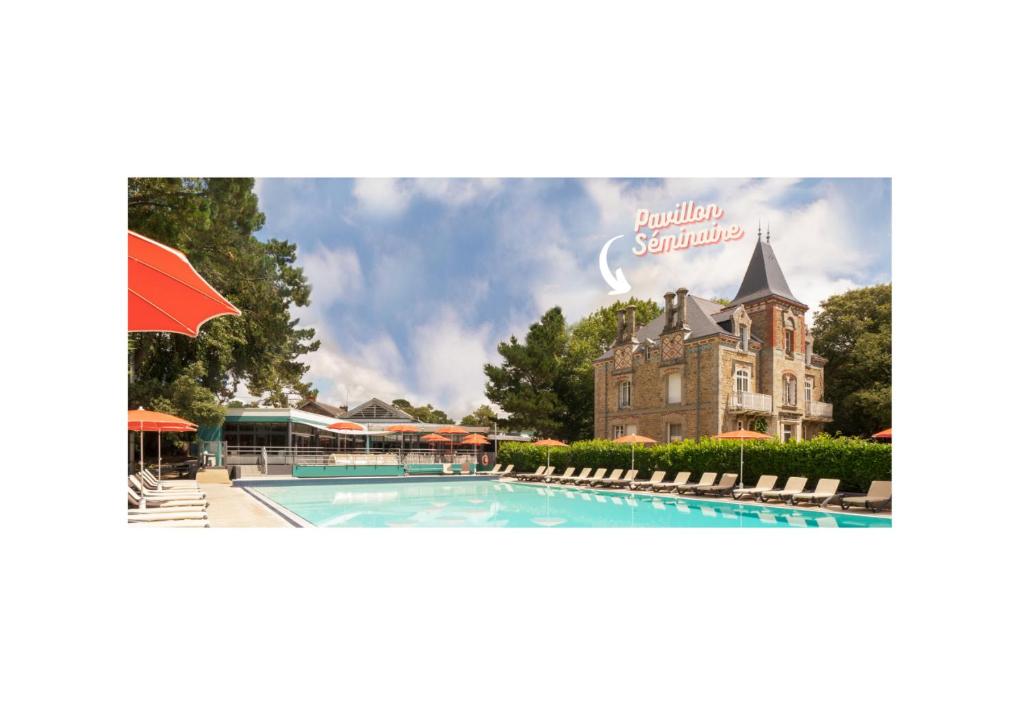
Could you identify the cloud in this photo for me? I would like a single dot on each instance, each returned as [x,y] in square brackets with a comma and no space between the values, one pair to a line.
[450,358]
[391,197]
[334,272]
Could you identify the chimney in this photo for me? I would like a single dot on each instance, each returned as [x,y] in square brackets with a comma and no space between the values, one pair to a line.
[669,312]
[681,318]
[631,322]
[620,322]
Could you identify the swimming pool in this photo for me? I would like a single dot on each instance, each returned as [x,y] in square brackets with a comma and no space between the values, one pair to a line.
[481,503]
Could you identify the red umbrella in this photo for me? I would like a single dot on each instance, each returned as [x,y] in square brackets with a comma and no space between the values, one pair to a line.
[742,435]
[142,420]
[884,434]
[549,443]
[346,427]
[451,429]
[165,293]
[632,440]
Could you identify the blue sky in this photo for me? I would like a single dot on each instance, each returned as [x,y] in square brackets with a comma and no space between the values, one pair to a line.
[415,281]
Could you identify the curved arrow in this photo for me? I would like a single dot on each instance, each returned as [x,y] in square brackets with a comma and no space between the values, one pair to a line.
[617,282]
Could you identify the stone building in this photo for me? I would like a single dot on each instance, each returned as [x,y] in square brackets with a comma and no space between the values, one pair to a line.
[701,368]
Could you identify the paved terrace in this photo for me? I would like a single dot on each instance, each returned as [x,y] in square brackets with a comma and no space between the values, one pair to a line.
[231,507]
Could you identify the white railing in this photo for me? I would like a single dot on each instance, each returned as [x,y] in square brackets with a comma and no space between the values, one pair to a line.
[749,401]
[821,409]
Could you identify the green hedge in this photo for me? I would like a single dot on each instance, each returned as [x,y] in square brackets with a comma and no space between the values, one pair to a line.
[856,462]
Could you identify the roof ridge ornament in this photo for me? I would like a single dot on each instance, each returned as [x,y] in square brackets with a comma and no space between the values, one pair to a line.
[769,238]
[759,231]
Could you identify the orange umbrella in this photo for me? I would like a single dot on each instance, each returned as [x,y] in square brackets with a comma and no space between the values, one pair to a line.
[143,420]
[402,429]
[451,429]
[633,440]
[165,293]
[475,440]
[742,435]
[884,434]
[346,427]
[549,443]
[434,438]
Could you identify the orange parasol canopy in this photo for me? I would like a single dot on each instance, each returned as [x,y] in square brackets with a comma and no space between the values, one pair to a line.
[475,439]
[434,438]
[165,293]
[634,439]
[742,434]
[346,427]
[143,420]
[403,428]
[884,434]
[451,429]
[549,443]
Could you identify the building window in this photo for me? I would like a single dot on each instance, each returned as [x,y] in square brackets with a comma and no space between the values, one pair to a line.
[631,429]
[742,379]
[789,390]
[787,432]
[739,424]
[673,432]
[647,353]
[744,337]
[617,431]
[625,395]
[674,389]
[789,342]
[808,389]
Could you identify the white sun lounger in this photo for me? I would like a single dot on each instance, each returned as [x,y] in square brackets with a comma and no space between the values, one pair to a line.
[765,483]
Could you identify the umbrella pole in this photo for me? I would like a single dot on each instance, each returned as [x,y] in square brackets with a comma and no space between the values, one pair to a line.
[142,435]
[159,462]
[741,463]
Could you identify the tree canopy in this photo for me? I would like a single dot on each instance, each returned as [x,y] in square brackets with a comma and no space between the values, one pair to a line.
[482,416]
[213,222]
[854,332]
[425,413]
[546,383]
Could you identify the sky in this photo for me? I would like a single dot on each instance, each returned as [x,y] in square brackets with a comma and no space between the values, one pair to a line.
[416,281]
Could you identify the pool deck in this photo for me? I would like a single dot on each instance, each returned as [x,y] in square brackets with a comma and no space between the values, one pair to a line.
[233,507]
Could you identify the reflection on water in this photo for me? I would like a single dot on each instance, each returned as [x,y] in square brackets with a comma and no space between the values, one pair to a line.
[501,504]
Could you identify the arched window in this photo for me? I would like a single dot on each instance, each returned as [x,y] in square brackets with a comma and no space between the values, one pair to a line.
[742,379]
[789,389]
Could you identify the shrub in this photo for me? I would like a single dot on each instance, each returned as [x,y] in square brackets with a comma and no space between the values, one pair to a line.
[856,462]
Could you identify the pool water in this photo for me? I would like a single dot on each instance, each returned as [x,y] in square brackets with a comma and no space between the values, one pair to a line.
[491,504]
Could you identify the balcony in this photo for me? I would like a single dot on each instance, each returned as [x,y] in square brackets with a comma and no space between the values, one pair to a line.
[748,401]
[818,410]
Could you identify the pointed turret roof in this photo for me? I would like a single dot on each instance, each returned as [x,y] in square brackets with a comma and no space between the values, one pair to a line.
[764,277]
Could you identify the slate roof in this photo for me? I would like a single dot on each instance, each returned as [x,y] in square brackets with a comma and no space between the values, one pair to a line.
[763,277]
[700,313]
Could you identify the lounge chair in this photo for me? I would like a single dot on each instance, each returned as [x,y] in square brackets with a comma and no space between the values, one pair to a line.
[527,475]
[496,469]
[539,477]
[146,503]
[656,479]
[508,470]
[615,476]
[793,486]
[825,490]
[145,485]
[140,516]
[680,479]
[706,480]
[588,481]
[765,483]
[624,481]
[135,486]
[878,497]
[724,487]
[148,479]
[575,480]
[565,475]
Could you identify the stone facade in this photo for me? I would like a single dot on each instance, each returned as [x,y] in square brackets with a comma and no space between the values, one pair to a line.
[701,368]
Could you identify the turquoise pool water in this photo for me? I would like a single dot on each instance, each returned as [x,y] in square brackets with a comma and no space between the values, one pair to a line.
[490,504]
